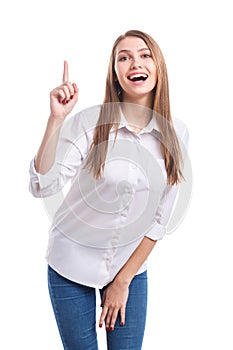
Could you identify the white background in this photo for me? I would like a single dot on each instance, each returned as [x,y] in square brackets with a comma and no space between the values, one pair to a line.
[190,271]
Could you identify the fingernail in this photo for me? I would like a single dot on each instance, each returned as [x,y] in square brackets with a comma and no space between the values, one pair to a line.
[122,324]
[111,329]
[107,328]
[67,101]
[100,325]
[71,97]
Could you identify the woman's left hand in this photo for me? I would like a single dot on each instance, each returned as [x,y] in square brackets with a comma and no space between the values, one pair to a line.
[114,301]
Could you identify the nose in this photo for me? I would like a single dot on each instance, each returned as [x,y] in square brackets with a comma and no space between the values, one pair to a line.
[136,64]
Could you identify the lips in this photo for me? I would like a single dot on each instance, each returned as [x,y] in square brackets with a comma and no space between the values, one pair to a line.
[138,77]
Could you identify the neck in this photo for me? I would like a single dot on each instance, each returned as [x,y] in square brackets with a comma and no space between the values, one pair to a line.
[142,100]
[138,112]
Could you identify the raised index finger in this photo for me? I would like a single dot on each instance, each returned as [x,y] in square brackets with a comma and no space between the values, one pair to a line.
[65,72]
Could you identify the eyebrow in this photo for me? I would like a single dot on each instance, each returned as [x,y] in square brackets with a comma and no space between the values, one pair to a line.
[125,50]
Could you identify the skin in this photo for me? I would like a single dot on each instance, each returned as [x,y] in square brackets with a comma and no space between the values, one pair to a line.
[132,55]
[62,100]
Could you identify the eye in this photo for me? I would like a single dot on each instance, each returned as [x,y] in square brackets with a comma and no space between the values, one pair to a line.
[146,55]
[123,58]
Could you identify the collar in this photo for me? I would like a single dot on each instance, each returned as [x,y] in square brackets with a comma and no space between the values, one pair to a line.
[150,127]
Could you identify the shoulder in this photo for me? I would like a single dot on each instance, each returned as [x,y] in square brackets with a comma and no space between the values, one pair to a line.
[82,123]
[87,118]
[181,131]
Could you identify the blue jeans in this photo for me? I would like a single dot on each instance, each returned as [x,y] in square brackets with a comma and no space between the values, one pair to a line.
[74,307]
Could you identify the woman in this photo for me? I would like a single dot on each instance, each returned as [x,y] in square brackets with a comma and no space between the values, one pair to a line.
[124,161]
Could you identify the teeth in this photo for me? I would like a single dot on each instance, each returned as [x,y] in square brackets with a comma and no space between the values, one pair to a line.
[136,76]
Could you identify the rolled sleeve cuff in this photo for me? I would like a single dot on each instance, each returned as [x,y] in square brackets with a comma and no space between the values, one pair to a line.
[157,232]
[43,185]
[32,171]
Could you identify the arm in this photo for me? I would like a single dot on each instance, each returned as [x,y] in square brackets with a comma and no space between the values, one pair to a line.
[116,294]
[46,154]
[136,260]
[62,100]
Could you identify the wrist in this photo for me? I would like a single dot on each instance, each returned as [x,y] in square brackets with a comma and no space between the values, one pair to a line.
[55,119]
[122,280]
[55,122]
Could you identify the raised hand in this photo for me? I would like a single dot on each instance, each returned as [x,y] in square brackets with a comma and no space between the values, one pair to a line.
[64,97]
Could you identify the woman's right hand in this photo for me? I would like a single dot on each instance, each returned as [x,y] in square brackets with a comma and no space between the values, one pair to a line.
[63,98]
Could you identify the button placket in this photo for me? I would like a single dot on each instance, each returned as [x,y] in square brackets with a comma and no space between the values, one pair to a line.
[110,252]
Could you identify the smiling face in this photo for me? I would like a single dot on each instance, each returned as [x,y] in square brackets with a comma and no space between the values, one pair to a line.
[135,70]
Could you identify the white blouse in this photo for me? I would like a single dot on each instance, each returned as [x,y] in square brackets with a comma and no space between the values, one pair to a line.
[97,224]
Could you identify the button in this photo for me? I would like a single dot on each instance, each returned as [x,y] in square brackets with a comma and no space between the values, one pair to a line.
[133,166]
[107,258]
[114,242]
[129,190]
[123,187]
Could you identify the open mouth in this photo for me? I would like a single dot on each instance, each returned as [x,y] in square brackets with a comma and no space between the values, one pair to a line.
[138,77]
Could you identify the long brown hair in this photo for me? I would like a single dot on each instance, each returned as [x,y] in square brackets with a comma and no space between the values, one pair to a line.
[110,115]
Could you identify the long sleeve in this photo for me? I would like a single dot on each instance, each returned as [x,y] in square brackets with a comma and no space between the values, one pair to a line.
[71,149]
[169,196]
